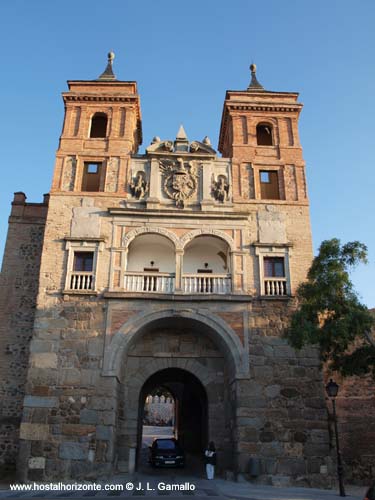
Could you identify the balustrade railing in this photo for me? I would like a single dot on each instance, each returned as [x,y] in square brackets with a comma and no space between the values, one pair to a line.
[81,281]
[149,282]
[206,283]
[275,287]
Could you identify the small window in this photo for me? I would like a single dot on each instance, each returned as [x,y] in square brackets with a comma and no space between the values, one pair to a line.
[99,125]
[83,261]
[264,135]
[274,267]
[269,185]
[91,176]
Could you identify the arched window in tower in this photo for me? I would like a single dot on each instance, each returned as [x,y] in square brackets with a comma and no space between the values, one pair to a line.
[264,134]
[99,125]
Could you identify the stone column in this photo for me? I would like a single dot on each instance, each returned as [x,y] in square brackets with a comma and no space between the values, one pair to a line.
[207,201]
[153,200]
[179,265]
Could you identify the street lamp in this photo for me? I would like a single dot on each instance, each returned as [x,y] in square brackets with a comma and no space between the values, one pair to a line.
[332,389]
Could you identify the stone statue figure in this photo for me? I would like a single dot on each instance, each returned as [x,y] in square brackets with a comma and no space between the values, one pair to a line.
[220,188]
[139,185]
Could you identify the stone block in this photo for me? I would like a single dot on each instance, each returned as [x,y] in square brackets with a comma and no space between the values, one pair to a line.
[77,429]
[248,434]
[269,465]
[34,432]
[266,437]
[106,417]
[290,392]
[41,402]
[43,376]
[70,376]
[95,347]
[280,481]
[43,360]
[104,432]
[37,463]
[79,469]
[300,437]
[73,451]
[88,416]
[257,360]
[263,373]
[272,391]
[294,449]
[274,449]
[41,390]
[36,475]
[254,422]
[250,402]
[97,403]
[315,402]
[89,377]
[316,450]
[291,466]
[284,352]
[43,346]
[40,415]
[319,436]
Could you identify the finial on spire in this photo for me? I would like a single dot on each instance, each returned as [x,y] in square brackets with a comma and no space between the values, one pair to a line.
[181,134]
[108,72]
[254,84]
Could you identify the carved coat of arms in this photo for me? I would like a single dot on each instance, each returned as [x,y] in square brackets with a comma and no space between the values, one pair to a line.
[180,181]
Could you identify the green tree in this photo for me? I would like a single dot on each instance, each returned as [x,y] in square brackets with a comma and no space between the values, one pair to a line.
[329,313]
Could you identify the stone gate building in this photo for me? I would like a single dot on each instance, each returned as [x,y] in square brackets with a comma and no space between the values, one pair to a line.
[177,268]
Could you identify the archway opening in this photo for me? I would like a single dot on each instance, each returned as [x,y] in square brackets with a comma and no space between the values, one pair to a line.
[188,422]
[206,266]
[151,264]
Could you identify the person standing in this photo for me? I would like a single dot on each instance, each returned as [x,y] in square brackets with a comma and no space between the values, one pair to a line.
[370,495]
[210,458]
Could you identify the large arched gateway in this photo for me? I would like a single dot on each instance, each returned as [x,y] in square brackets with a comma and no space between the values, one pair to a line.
[194,357]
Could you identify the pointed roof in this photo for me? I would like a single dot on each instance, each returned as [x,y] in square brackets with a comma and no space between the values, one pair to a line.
[254,84]
[108,72]
[181,134]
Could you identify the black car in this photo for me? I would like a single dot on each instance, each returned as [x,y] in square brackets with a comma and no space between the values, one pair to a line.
[166,452]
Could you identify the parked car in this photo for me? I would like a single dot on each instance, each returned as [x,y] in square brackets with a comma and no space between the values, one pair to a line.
[166,452]
[370,494]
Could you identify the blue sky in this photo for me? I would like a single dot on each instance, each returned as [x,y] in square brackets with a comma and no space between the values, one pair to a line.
[184,56]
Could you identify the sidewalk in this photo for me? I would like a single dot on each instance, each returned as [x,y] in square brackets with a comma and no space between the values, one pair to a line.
[257,492]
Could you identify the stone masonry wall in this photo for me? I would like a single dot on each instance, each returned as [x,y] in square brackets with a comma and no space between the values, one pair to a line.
[356,414]
[282,415]
[18,290]
[70,410]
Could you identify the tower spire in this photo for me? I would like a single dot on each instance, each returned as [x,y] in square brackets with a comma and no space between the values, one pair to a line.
[254,84]
[108,72]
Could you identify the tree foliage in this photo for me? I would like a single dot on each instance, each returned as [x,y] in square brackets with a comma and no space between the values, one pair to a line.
[330,314]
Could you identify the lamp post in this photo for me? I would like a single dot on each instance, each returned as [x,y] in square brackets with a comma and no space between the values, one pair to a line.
[332,389]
